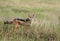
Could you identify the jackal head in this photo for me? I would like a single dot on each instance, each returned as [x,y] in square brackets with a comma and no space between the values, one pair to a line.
[31,16]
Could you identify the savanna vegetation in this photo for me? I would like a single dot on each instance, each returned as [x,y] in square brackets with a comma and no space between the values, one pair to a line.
[46,24]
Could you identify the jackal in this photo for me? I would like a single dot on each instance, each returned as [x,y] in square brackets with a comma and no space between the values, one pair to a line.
[24,22]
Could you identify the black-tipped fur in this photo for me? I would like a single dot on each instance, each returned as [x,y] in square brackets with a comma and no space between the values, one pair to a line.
[24,20]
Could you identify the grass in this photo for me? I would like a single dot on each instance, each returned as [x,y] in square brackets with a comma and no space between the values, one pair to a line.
[45,26]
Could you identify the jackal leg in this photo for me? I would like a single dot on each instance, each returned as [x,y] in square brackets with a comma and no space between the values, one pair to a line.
[17,26]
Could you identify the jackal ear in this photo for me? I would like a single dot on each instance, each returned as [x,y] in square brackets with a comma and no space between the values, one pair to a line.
[33,15]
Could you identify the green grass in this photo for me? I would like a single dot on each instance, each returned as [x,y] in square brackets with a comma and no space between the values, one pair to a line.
[46,24]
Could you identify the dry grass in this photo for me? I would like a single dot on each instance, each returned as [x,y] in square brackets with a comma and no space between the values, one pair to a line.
[44,27]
